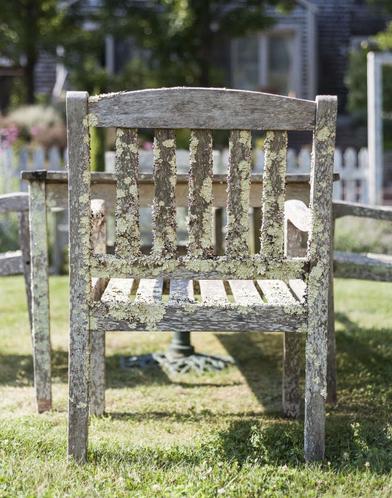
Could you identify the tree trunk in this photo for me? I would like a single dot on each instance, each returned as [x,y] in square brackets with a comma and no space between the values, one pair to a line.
[29,77]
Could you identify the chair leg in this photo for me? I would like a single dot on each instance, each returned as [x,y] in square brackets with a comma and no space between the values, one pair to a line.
[331,366]
[315,389]
[97,370]
[40,297]
[292,355]
[79,376]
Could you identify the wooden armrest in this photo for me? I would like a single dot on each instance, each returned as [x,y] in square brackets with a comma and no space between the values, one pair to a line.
[341,209]
[15,202]
[298,214]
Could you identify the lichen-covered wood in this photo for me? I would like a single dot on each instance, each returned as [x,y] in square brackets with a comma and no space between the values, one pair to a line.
[319,276]
[40,296]
[164,207]
[246,302]
[200,194]
[274,185]
[341,209]
[127,206]
[238,188]
[80,278]
[187,267]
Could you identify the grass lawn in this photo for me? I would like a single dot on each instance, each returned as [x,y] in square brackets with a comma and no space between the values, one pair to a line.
[219,434]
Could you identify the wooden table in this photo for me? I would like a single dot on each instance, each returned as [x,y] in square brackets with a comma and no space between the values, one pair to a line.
[49,190]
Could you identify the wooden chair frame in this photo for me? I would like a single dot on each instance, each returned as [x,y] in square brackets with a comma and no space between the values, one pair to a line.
[200,110]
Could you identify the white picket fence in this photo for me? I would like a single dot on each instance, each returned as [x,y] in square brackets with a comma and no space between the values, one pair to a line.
[352,166]
[13,161]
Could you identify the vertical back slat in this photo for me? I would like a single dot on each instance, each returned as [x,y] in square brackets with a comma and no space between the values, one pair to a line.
[164,207]
[238,193]
[274,183]
[200,194]
[127,204]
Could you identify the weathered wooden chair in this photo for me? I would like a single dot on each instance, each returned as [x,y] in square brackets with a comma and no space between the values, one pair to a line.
[238,292]
[373,267]
[18,262]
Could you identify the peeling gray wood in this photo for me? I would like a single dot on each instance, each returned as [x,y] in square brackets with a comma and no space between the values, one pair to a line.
[213,292]
[40,296]
[200,194]
[14,202]
[206,108]
[97,357]
[118,290]
[164,207]
[149,291]
[331,360]
[11,263]
[187,268]
[181,292]
[272,228]
[277,292]
[214,317]
[127,208]
[237,232]
[80,279]
[341,209]
[319,277]
[368,266]
[245,292]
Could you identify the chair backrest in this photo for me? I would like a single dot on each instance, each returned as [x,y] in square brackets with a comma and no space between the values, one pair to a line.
[201,110]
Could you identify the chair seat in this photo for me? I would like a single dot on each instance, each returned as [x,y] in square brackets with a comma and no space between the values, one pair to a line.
[199,305]
[367,266]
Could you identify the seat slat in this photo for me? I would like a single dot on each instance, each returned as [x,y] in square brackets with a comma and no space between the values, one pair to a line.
[181,292]
[118,289]
[298,286]
[200,194]
[245,292]
[213,292]
[149,291]
[164,206]
[127,196]
[238,193]
[274,186]
[276,292]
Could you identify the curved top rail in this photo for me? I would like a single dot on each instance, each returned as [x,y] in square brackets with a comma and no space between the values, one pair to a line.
[14,202]
[205,108]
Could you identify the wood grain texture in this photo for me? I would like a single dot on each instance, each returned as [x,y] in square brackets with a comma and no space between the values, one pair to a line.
[14,202]
[127,205]
[377,267]
[237,231]
[184,267]
[205,108]
[181,292]
[213,292]
[341,209]
[40,296]
[164,206]
[198,317]
[80,278]
[149,291]
[200,194]
[272,227]
[319,249]
[97,357]
[118,290]
[11,263]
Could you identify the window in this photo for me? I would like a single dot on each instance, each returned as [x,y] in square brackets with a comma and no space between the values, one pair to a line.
[268,62]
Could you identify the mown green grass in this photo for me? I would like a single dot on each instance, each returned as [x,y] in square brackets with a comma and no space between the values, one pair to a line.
[219,434]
